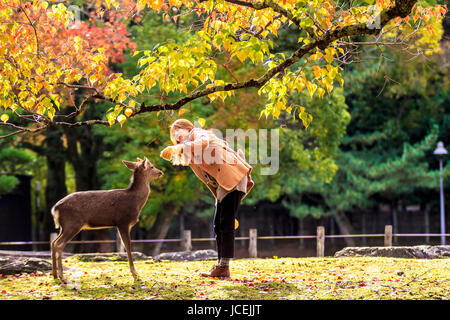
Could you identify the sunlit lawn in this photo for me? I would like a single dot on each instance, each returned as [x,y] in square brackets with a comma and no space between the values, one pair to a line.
[284,278]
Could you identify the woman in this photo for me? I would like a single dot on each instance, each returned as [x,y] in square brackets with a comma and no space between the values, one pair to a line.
[225,173]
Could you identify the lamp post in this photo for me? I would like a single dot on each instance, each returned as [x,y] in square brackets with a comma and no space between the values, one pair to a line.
[441,152]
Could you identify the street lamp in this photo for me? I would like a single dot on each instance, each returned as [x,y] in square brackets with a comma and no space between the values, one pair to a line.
[441,152]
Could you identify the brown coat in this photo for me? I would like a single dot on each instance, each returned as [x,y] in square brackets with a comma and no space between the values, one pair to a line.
[204,151]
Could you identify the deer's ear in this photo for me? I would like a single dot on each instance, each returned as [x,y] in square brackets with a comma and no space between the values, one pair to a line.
[139,159]
[146,163]
[129,164]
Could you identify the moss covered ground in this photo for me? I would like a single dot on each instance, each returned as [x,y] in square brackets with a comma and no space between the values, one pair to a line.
[274,279]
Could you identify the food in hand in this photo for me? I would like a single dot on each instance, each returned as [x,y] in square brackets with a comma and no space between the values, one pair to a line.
[174,154]
[166,154]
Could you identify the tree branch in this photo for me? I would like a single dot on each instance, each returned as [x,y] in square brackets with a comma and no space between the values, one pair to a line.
[34,29]
[21,130]
[401,9]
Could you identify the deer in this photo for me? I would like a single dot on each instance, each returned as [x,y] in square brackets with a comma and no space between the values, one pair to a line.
[99,209]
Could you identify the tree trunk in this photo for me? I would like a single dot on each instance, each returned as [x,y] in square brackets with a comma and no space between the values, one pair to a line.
[363,228]
[394,222]
[56,177]
[344,226]
[301,243]
[160,228]
[83,151]
[427,223]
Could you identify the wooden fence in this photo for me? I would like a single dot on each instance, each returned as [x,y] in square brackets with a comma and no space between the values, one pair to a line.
[186,241]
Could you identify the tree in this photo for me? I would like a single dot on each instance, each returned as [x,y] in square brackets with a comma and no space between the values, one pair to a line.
[13,161]
[399,110]
[40,67]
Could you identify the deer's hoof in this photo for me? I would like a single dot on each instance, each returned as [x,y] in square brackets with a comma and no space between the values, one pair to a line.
[63,280]
[136,277]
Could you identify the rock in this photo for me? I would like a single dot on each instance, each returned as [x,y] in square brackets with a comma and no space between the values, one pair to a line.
[413,252]
[188,255]
[112,256]
[14,265]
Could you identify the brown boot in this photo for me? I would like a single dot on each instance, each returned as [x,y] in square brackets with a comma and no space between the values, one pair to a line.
[217,271]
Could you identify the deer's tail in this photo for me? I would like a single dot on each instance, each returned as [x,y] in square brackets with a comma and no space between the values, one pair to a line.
[55,214]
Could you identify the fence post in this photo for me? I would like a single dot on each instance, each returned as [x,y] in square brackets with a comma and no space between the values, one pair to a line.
[388,236]
[187,240]
[321,241]
[119,244]
[252,247]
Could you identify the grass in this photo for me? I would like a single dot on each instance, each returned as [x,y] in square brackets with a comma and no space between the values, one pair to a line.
[274,279]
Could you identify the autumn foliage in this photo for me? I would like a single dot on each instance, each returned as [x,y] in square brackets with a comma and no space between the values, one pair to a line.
[45,53]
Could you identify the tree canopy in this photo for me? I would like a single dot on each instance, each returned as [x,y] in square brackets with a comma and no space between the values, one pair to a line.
[46,56]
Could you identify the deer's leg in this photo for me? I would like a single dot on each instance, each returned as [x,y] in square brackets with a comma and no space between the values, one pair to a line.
[54,260]
[66,235]
[125,236]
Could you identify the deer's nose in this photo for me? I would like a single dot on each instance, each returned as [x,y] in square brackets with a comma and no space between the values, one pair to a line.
[161,173]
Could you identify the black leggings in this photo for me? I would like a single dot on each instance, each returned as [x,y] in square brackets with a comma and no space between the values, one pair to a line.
[226,212]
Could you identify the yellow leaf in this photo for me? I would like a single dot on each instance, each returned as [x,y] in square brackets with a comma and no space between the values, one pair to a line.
[241,56]
[329,53]
[183,88]
[311,88]
[319,72]
[316,56]
[128,112]
[332,71]
[51,113]
[316,70]
[320,92]
[201,121]
[140,88]
[121,119]
[110,118]
[122,97]
[4,117]
[132,103]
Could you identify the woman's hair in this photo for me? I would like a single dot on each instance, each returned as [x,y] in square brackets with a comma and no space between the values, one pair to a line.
[180,124]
